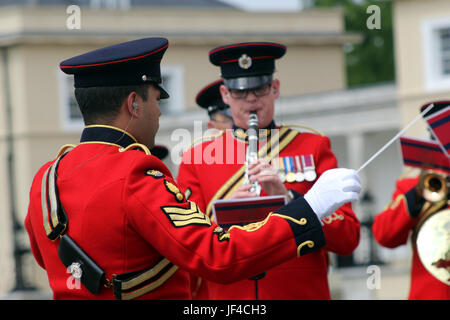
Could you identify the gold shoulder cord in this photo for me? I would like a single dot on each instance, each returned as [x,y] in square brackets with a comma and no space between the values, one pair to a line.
[136,146]
[64,148]
[304,127]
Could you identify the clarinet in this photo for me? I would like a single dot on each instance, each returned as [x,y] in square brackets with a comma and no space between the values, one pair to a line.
[252,150]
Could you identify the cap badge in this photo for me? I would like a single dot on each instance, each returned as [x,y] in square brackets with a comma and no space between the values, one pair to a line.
[245,61]
[144,78]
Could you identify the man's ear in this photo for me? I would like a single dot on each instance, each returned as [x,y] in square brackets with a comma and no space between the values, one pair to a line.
[132,105]
[276,88]
[225,93]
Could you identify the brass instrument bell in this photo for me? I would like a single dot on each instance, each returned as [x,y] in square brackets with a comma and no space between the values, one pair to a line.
[432,232]
[433,186]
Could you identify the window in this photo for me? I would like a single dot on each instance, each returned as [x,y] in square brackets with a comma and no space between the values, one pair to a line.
[444,35]
[71,118]
[172,77]
[436,49]
[110,4]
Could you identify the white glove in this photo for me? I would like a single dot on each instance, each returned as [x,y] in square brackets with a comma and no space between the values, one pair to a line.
[333,188]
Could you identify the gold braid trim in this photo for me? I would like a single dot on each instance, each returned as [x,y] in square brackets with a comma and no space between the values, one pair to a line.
[308,243]
[305,127]
[333,217]
[64,148]
[136,146]
[256,225]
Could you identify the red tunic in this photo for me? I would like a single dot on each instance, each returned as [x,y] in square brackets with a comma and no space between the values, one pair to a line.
[304,278]
[127,213]
[392,228]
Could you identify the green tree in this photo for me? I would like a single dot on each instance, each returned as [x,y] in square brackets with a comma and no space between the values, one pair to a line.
[372,60]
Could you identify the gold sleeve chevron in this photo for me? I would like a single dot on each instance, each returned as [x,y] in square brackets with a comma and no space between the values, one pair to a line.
[182,217]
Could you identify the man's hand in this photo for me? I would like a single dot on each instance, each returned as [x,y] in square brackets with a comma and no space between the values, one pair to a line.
[243,192]
[333,188]
[268,178]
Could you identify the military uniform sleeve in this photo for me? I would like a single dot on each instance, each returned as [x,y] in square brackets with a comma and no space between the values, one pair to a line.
[33,245]
[30,229]
[341,228]
[392,226]
[179,231]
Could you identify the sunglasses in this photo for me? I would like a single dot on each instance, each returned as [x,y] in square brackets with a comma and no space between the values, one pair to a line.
[258,92]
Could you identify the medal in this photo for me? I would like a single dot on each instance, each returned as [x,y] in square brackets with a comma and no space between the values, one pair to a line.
[309,168]
[299,176]
[290,177]
[310,175]
[291,174]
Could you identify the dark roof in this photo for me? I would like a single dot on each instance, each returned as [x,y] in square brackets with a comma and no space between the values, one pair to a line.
[133,3]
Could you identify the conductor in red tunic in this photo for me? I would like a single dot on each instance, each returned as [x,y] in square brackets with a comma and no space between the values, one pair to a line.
[290,164]
[106,220]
